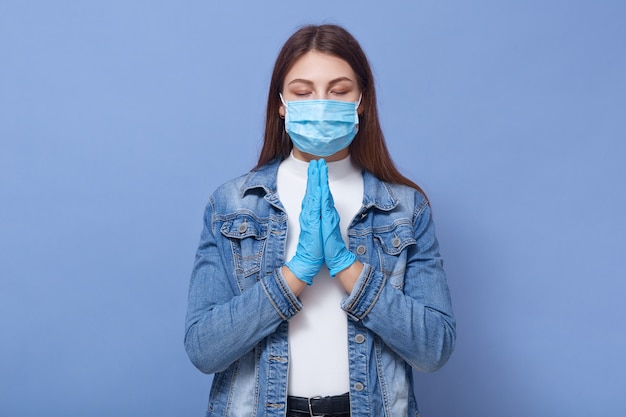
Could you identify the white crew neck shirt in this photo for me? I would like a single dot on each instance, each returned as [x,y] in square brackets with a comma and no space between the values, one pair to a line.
[318,335]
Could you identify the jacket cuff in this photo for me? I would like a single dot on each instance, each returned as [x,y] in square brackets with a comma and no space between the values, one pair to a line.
[280,295]
[364,294]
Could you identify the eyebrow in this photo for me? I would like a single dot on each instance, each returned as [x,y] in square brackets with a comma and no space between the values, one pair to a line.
[308,82]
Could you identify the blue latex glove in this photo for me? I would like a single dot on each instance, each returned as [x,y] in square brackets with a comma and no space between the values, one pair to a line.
[309,256]
[336,254]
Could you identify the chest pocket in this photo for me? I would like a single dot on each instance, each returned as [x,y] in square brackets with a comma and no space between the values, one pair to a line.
[392,244]
[247,236]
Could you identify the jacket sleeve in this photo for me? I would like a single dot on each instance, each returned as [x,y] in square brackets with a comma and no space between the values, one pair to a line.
[223,323]
[416,321]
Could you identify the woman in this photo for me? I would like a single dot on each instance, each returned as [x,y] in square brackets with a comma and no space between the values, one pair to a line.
[318,284]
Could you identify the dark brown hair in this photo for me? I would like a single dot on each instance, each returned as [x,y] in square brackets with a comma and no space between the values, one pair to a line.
[368,149]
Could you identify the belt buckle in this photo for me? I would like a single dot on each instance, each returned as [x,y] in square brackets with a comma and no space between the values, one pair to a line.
[311,407]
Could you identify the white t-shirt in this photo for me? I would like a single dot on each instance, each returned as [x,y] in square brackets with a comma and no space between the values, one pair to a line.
[318,339]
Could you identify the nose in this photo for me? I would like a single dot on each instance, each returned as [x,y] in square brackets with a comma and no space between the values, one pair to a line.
[319,96]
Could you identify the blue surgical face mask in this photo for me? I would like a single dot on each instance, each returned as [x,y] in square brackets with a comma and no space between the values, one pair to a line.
[321,127]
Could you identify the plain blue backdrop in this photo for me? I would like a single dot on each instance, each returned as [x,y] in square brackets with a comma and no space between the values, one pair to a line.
[119,118]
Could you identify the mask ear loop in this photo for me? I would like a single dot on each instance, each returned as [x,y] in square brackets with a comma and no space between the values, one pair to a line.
[284,134]
[284,104]
[356,110]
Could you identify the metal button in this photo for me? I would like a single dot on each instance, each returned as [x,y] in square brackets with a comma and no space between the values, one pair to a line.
[360,250]
[242,228]
[396,242]
[359,338]
[358,386]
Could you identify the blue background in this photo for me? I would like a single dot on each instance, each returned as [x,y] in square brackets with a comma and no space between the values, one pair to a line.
[118,118]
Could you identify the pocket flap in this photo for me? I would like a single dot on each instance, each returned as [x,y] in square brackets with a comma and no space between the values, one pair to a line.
[244,226]
[394,240]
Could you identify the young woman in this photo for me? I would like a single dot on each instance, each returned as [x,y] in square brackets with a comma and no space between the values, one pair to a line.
[318,284]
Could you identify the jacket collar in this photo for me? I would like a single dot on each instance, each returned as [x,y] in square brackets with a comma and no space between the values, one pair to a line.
[263,177]
[375,194]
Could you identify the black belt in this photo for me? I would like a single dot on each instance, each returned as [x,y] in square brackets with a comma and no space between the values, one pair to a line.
[320,406]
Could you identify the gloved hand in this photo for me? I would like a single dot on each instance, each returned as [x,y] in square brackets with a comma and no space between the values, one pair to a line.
[336,254]
[309,256]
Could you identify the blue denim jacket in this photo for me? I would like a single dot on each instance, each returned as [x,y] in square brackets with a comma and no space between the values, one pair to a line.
[399,312]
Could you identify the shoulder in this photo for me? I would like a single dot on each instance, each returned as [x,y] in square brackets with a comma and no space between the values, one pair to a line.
[245,191]
[396,197]
[410,197]
[230,188]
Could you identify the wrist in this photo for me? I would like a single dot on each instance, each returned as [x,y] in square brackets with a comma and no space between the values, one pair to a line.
[300,270]
[341,262]
[349,276]
[295,284]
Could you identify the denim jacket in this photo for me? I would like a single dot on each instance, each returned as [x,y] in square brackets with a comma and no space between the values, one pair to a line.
[399,312]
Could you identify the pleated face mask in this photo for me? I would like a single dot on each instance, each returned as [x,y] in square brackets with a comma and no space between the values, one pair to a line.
[321,127]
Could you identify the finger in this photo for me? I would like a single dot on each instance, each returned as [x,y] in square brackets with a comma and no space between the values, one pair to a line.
[311,183]
[327,198]
[316,206]
[312,176]
[323,168]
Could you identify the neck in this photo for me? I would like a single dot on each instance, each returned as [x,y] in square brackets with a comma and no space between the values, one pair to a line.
[307,157]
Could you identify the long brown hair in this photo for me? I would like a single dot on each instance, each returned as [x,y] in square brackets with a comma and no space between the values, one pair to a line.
[368,149]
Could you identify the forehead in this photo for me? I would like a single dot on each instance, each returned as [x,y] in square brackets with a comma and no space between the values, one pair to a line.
[318,66]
